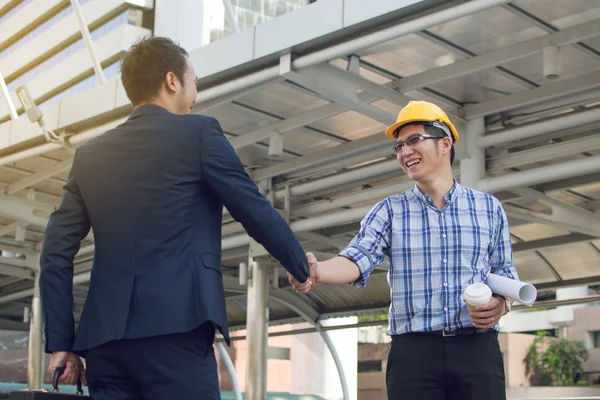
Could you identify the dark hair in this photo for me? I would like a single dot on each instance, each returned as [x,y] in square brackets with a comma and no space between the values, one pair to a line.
[145,65]
[435,131]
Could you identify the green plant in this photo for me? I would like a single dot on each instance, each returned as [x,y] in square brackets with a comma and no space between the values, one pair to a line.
[554,362]
[370,318]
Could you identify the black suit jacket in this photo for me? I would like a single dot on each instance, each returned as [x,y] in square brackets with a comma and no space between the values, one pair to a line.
[153,190]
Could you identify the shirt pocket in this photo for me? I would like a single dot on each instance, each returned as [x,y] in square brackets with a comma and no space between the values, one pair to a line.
[475,243]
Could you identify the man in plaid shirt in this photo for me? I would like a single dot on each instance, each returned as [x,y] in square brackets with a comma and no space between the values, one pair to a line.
[440,237]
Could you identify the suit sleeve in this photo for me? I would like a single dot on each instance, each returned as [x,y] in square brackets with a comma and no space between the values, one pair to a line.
[67,226]
[223,172]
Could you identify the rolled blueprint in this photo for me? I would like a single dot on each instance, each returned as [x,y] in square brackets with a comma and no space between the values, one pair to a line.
[522,292]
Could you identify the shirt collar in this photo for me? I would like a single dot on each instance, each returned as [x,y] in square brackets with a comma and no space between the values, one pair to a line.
[452,195]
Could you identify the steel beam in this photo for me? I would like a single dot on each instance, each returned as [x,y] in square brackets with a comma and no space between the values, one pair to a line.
[17,263]
[22,210]
[287,124]
[564,214]
[540,23]
[537,95]
[305,225]
[534,129]
[587,281]
[89,44]
[549,152]
[455,48]
[5,230]
[361,159]
[10,325]
[535,176]
[323,239]
[358,82]
[37,177]
[542,244]
[321,80]
[564,220]
[7,268]
[501,56]
[323,157]
[378,192]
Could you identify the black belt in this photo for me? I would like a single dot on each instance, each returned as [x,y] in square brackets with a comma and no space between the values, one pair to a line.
[449,333]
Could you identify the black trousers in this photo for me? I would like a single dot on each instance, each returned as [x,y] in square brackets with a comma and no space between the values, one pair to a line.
[426,367]
[178,366]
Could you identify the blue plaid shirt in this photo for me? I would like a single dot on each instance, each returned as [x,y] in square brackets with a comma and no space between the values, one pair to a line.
[434,255]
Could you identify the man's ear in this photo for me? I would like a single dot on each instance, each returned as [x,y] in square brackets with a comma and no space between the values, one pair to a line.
[446,145]
[171,81]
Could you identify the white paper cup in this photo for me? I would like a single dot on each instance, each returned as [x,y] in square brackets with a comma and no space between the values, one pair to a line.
[476,294]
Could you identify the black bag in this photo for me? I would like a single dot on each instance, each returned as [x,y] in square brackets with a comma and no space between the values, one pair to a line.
[53,395]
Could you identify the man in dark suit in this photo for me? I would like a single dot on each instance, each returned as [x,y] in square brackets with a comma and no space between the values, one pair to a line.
[153,190]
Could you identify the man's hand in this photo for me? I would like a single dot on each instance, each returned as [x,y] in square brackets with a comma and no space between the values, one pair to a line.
[303,288]
[74,367]
[485,316]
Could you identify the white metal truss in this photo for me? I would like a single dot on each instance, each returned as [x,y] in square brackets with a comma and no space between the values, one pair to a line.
[562,214]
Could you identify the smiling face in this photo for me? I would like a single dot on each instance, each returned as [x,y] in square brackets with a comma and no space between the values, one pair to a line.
[426,158]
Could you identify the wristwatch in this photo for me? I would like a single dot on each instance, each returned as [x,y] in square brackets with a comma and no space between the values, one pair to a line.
[506,304]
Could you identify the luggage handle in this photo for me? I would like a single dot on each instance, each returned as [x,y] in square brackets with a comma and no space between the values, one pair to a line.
[56,376]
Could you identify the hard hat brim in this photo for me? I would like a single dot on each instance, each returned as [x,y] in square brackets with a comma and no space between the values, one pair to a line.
[389,132]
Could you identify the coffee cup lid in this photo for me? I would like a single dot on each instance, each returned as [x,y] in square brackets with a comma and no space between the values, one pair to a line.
[477,293]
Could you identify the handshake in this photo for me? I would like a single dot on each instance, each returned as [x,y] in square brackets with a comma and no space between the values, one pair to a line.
[304,288]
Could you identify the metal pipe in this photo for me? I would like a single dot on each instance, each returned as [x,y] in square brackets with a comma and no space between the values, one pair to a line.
[372,194]
[34,151]
[257,332]
[85,33]
[368,156]
[555,124]
[565,170]
[328,342]
[341,178]
[47,147]
[336,359]
[305,225]
[36,354]
[230,368]
[231,16]
[9,103]
[351,46]
[376,193]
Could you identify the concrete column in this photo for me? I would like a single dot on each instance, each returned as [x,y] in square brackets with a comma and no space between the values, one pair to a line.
[257,331]
[472,167]
[35,368]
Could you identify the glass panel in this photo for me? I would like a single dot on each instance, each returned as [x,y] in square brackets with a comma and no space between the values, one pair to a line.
[249,13]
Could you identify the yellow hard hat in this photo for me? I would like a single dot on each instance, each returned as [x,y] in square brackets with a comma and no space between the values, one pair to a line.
[423,111]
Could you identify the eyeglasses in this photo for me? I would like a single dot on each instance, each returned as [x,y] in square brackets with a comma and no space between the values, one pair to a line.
[412,141]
